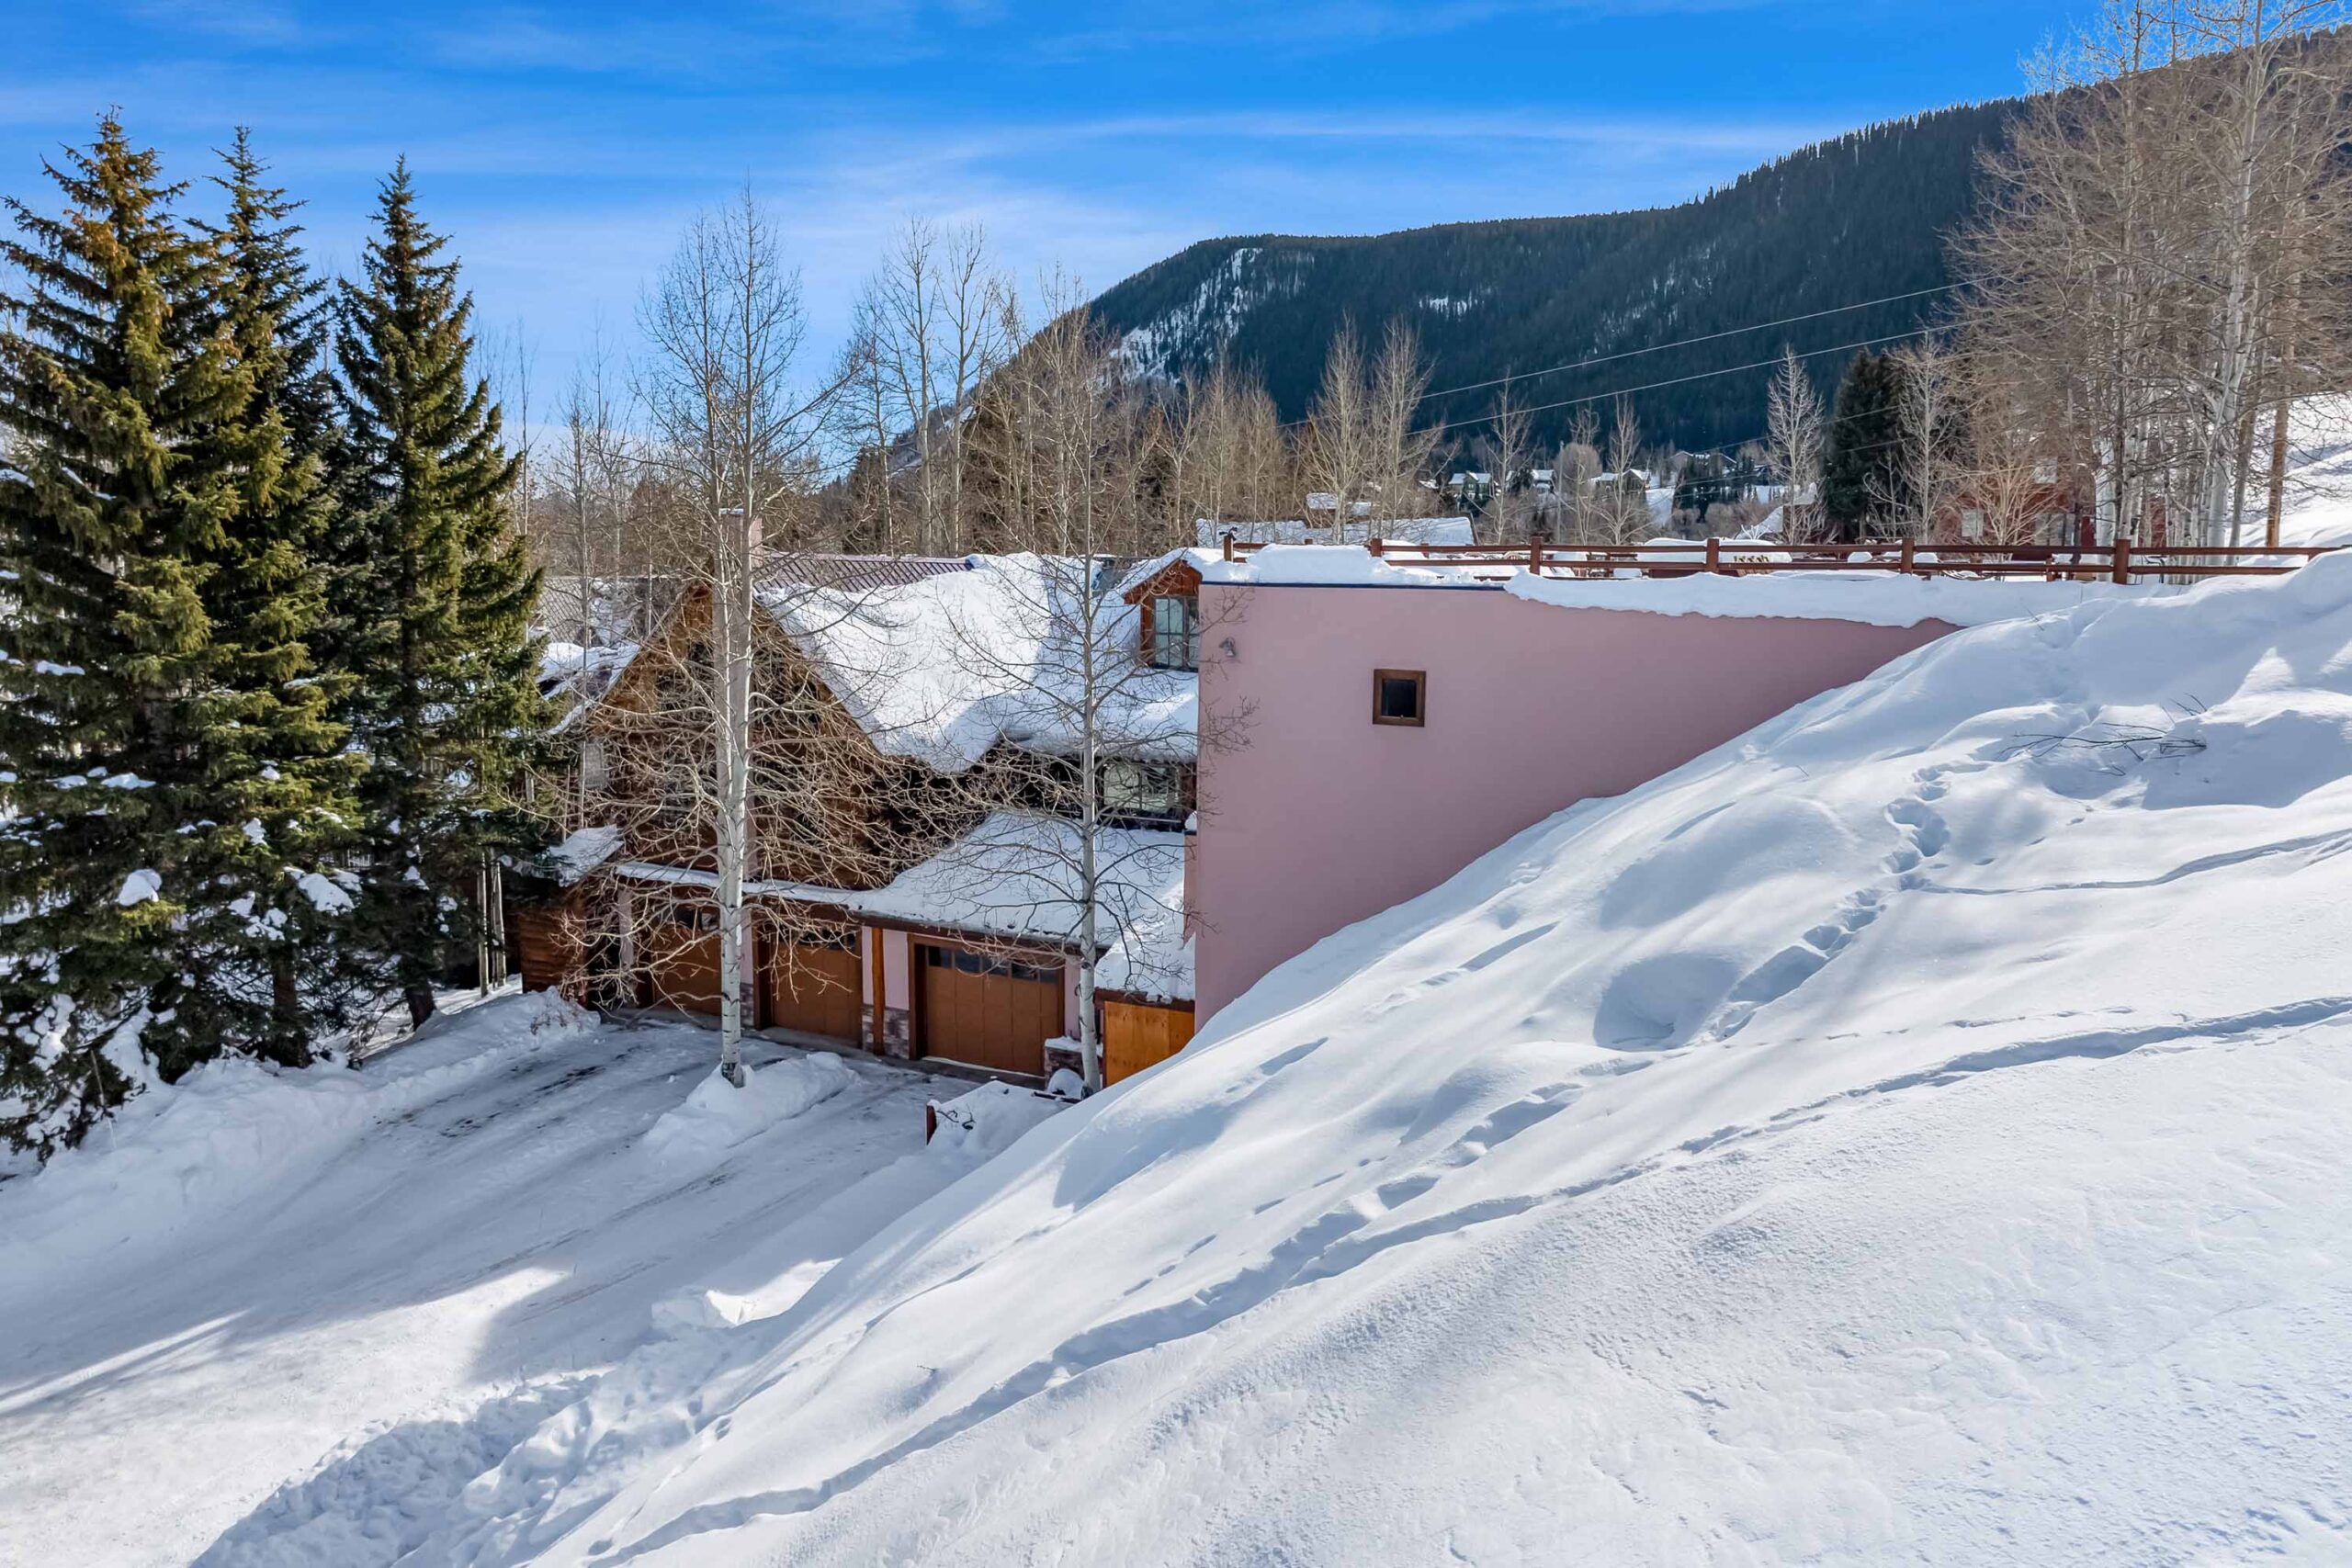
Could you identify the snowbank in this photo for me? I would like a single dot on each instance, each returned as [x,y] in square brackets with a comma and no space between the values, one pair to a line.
[236,1131]
[717,1116]
[988,1120]
[1911,1131]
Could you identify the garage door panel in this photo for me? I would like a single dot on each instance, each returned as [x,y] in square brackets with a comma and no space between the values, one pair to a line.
[986,1011]
[684,968]
[815,988]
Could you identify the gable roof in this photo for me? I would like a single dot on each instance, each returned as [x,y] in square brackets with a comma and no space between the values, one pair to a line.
[943,668]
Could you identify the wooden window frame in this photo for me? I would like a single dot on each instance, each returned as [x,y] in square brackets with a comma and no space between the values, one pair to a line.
[1187,643]
[1421,680]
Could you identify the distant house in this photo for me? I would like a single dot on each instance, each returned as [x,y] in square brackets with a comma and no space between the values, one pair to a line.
[1470,486]
[1211,533]
[2045,513]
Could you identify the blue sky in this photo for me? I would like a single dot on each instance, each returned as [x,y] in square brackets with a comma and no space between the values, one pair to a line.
[563,146]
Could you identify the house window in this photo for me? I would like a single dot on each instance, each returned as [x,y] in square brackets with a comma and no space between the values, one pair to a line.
[1398,697]
[1972,523]
[593,774]
[965,962]
[1176,631]
[1144,794]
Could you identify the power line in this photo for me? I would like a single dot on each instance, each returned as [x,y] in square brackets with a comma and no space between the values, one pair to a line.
[1662,348]
[1679,380]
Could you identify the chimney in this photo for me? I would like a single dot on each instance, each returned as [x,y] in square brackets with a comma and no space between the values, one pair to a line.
[750,533]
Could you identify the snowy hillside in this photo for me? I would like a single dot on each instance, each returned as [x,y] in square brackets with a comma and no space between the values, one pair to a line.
[404,1270]
[1913,1130]
[2319,495]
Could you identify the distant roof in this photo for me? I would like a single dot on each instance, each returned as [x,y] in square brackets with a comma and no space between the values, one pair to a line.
[856,573]
[619,609]
[1210,533]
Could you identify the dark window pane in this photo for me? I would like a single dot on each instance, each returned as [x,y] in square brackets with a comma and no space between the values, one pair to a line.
[1175,631]
[1400,697]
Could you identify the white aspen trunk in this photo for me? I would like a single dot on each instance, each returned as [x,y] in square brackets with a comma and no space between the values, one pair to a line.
[1090,1043]
[2227,400]
[732,609]
[587,616]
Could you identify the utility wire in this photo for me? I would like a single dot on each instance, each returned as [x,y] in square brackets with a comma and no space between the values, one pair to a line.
[1679,380]
[1663,347]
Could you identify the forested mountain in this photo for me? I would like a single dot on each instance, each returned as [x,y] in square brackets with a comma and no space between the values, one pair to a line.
[1861,217]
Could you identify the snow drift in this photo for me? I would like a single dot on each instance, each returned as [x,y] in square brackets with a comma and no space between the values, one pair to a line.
[1912,1129]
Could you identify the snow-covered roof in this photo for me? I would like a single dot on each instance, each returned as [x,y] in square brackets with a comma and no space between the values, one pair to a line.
[1143,571]
[856,573]
[582,851]
[1209,533]
[1870,598]
[945,668]
[578,675]
[1013,878]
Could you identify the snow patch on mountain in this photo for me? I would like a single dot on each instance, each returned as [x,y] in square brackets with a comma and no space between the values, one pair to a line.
[1199,328]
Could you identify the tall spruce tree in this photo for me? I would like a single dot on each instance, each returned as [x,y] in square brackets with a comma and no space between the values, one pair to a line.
[1862,490]
[265,949]
[112,512]
[432,600]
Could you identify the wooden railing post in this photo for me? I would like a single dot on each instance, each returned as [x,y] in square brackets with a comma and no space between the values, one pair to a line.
[1714,555]
[1229,545]
[1535,552]
[2122,553]
[1375,545]
[1910,555]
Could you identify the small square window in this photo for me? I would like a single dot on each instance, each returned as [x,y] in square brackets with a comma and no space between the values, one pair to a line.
[1398,697]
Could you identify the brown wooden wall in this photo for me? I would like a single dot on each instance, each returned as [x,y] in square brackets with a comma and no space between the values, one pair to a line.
[547,947]
[1135,1036]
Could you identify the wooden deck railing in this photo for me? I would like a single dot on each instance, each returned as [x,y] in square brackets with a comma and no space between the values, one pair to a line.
[2121,561]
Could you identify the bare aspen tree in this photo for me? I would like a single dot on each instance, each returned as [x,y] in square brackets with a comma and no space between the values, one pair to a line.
[1402,445]
[931,314]
[1339,458]
[1096,728]
[1228,458]
[1364,442]
[1574,468]
[724,326]
[1621,503]
[1796,428]
[1924,417]
[589,475]
[1062,649]
[2141,270]
[1502,447]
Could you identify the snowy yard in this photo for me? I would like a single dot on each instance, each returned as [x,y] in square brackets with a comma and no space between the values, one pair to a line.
[420,1258]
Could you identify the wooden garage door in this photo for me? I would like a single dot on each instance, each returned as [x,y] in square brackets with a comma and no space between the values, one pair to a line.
[814,987]
[683,966]
[987,1012]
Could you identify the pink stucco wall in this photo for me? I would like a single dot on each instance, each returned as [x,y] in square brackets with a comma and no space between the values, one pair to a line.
[1317,817]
